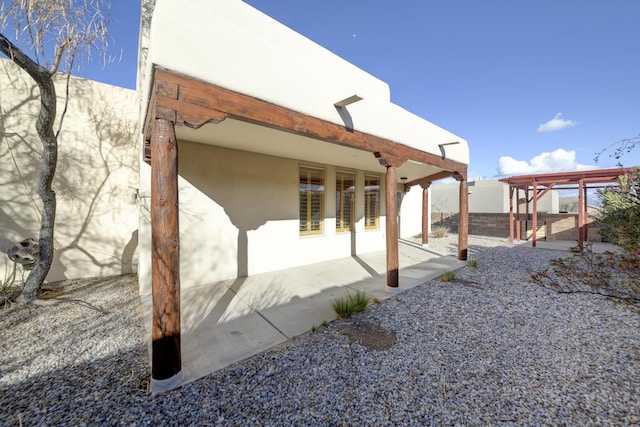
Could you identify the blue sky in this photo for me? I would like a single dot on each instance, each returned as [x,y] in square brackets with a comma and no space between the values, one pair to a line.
[537,86]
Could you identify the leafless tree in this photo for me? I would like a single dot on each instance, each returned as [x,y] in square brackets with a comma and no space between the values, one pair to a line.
[51,36]
[618,149]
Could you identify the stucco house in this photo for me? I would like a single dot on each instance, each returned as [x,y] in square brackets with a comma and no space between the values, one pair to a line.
[288,155]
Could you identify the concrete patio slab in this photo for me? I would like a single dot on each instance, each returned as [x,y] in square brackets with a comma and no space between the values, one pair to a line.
[229,321]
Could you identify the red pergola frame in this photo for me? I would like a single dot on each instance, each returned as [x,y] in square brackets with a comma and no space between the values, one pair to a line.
[541,184]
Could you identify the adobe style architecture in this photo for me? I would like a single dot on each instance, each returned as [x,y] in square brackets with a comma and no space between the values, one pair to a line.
[263,151]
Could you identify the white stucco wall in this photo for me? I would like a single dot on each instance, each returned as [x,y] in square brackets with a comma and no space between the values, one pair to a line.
[239,215]
[486,196]
[95,182]
[411,213]
[231,44]
[239,210]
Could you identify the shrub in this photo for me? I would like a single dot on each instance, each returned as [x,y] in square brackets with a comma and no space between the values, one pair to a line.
[347,305]
[619,216]
[473,263]
[447,276]
[440,232]
[610,274]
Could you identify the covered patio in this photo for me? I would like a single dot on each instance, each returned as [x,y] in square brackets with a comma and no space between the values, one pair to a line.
[272,104]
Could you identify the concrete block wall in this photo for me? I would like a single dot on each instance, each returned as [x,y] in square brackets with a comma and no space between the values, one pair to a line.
[557,226]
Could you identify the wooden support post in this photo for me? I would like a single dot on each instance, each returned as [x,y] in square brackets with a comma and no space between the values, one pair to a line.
[511,214]
[585,218]
[463,221]
[518,230]
[581,212]
[166,371]
[393,262]
[425,213]
[535,214]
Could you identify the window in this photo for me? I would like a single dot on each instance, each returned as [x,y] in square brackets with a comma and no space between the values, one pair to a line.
[311,201]
[371,202]
[345,193]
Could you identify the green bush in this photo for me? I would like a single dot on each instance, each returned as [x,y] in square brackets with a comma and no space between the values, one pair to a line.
[447,276]
[619,216]
[473,263]
[347,305]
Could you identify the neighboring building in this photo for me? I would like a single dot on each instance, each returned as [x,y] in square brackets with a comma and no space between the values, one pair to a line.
[570,205]
[486,196]
[288,155]
[96,179]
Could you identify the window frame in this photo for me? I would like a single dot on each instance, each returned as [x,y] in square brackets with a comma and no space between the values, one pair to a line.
[367,208]
[340,205]
[309,231]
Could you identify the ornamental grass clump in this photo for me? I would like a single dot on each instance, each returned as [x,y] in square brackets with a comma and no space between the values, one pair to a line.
[347,305]
[447,276]
[439,232]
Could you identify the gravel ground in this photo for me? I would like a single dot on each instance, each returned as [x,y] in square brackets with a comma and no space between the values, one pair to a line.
[489,348]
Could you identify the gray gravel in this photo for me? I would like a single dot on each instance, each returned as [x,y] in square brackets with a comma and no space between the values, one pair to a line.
[490,348]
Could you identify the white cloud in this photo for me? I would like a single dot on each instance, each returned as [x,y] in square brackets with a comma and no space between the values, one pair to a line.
[559,160]
[556,124]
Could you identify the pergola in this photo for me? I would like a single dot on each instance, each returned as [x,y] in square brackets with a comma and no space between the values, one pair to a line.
[536,186]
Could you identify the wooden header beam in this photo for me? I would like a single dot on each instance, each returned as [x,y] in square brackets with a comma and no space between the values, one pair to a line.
[188,101]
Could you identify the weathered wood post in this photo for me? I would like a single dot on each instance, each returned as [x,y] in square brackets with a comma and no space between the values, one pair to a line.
[425,213]
[393,263]
[463,222]
[166,359]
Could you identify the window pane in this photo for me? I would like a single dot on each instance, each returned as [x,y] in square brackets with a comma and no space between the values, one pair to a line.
[345,192]
[311,201]
[371,201]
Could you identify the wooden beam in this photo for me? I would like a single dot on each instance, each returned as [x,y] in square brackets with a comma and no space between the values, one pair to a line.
[201,99]
[427,180]
[165,258]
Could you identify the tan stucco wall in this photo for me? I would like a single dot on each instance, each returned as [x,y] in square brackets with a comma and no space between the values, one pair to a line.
[239,216]
[96,178]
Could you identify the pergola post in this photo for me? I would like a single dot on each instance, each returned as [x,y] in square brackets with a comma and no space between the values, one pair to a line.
[518,226]
[463,221]
[535,214]
[581,213]
[425,213]
[511,215]
[166,370]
